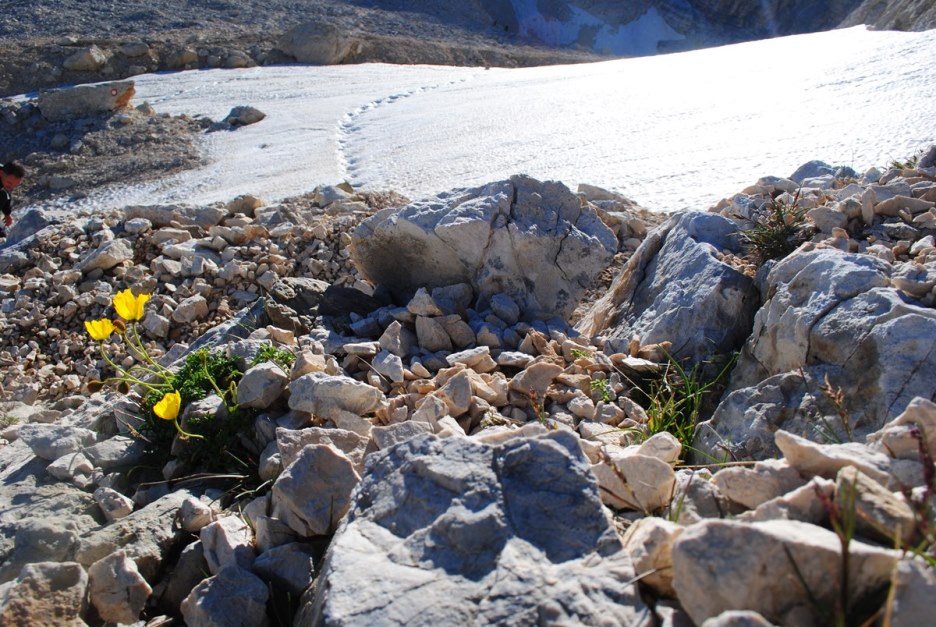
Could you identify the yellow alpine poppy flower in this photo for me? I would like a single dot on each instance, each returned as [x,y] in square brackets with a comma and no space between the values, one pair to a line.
[128,306]
[99,330]
[168,407]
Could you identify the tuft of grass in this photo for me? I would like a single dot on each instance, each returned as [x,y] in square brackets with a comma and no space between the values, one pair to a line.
[7,420]
[909,163]
[675,401]
[778,232]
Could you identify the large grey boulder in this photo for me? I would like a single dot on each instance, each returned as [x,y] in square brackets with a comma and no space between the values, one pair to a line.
[831,316]
[678,288]
[453,531]
[530,240]
[317,43]
[782,569]
[83,100]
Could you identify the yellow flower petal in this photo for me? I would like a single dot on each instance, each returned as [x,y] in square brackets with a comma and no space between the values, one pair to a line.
[128,306]
[168,407]
[99,330]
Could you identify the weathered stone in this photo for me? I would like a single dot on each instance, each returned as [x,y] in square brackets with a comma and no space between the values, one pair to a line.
[637,482]
[317,43]
[290,567]
[530,240]
[227,542]
[440,523]
[117,590]
[802,504]
[45,593]
[535,379]
[194,514]
[721,565]
[812,459]
[751,486]
[663,446]
[676,288]
[232,597]
[145,536]
[114,504]
[261,385]
[53,441]
[322,395]
[831,317]
[879,513]
[431,335]
[191,309]
[388,436]
[456,394]
[901,437]
[244,116]
[106,256]
[649,542]
[313,492]
[914,587]
[389,365]
[354,446]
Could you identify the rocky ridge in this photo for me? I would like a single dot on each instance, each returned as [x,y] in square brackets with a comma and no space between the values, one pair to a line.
[450,424]
[47,44]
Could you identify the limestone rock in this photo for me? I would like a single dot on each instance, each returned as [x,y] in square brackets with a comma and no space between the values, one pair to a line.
[323,395]
[754,485]
[81,100]
[722,565]
[290,566]
[114,504]
[649,542]
[117,589]
[45,593]
[530,240]
[439,523]
[227,542]
[53,441]
[90,59]
[317,43]
[676,288]
[232,597]
[831,316]
[313,492]
[244,116]
[914,587]
[261,385]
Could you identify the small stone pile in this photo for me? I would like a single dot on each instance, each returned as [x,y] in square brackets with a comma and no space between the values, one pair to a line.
[200,265]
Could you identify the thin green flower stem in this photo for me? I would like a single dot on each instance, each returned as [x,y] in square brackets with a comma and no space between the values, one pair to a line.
[184,433]
[140,354]
[125,376]
[211,380]
[165,372]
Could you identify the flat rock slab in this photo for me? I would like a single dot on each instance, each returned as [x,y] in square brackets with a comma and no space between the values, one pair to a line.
[452,531]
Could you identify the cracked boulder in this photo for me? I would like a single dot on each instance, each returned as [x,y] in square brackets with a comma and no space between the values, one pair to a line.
[678,288]
[533,241]
[834,317]
[459,532]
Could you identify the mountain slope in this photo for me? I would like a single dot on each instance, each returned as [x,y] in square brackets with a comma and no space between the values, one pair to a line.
[914,15]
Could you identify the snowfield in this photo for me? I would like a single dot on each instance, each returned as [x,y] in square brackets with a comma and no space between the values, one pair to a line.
[672,132]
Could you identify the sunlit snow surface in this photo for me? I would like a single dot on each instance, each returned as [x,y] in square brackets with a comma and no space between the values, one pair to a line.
[672,132]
